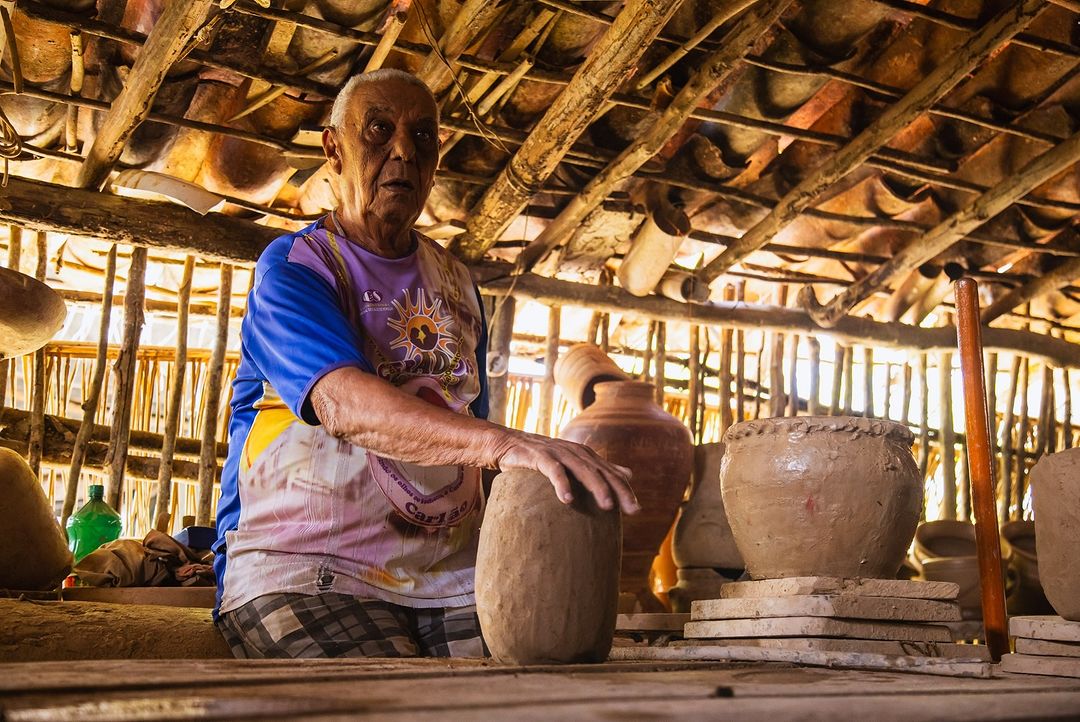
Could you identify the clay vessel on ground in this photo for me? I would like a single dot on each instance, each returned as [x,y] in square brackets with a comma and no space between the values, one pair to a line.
[703,535]
[963,571]
[626,426]
[1055,494]
[30,313]
[547,574]
[1027,597]
[579,370]
[830,496]
[33,551]
[944,538]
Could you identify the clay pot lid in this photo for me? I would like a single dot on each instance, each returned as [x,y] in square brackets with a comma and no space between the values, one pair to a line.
[814,424]
[30,313]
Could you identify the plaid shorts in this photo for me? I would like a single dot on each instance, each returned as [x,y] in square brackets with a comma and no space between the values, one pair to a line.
[294,626]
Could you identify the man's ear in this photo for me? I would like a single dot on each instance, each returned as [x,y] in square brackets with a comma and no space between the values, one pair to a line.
[331,149]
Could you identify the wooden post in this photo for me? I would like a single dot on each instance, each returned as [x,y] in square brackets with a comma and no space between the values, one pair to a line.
[176,395]
[849,378]
[924,423]
[948,436]
[593,334]
[1020,469]
[92,394]
[695,381]
[124,377]
[982,469]
[814,391]
[905,394]
[839,352]
[660,377]
[793,384]
[499,354]
[547,392]
[1007,429]
[759,376]
[212,401]
[605,330]
[886,412]
[37,394]
[647,353]
[868,382]
[726,337]
[740,361]
[1066,422]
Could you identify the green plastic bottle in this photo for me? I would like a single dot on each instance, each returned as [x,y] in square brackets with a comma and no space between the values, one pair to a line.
[96,523]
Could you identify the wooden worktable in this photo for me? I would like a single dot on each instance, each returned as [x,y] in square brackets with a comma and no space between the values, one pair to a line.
[471,690]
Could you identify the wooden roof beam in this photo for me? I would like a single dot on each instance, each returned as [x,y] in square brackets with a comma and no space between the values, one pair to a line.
[165,45]
[1053,280]
[952,229]
[469,21]
[939,81]
[605,68]
[716,69]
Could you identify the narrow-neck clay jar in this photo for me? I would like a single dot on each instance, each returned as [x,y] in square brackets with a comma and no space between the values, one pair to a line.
[547,574]
[33,551]
[580,369]
[828,495]
[703,537]
[1055,495]
[627,427]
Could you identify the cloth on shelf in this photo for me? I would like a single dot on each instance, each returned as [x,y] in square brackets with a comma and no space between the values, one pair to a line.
[156,561]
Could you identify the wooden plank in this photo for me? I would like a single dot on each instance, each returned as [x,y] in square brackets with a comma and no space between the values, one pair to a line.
[1046,648]
[1047,627]
[975,652]
[816,627]
[161,596]
[853,660]
[837,585]
[651,622]
[844,606]
[1049,666]
[168,41]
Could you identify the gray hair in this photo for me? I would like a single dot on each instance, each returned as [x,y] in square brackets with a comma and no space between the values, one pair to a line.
[341,103]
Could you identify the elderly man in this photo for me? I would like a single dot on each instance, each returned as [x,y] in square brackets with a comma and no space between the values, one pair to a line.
[351,498]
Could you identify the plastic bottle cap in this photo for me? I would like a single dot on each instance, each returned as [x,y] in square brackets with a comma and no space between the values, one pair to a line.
[97,491]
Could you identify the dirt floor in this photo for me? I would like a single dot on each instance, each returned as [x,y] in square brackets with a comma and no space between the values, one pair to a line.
[469,690]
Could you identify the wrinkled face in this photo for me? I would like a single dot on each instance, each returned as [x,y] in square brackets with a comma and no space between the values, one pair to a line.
[385,154]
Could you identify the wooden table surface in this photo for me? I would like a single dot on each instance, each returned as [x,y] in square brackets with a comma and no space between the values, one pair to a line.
[470,690]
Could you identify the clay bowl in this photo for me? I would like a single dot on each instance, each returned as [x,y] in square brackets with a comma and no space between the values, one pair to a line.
[963,571]
[821,496]
[30,313]
[1055,494]
[1018,539]
[944,538]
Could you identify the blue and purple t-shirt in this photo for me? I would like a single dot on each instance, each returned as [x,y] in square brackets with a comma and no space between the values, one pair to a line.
[304,512]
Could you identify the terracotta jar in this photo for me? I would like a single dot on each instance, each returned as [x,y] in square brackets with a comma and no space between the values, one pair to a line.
[31,313]
[627,427]
[1055,494]
[547,574]
[821,496]
[33,551]
[580,369]
[703,537]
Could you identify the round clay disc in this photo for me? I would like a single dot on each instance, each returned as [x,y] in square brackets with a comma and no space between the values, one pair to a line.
[30,313]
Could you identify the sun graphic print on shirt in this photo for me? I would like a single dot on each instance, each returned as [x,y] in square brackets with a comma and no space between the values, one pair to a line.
[429,336]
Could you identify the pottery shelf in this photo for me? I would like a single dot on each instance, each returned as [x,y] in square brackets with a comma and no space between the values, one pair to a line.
[1045,645]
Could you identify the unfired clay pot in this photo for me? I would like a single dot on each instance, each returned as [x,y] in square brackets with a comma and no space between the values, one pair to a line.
[626,426]
[944,538]
[547,574]
[33,551]
[963,571]
[1027,597]
[579,370]
[30,313]
[703,537]
[830,496]
[1055,494]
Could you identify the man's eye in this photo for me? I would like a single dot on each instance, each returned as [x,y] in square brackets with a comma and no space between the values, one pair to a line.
[425,135]
[381,127]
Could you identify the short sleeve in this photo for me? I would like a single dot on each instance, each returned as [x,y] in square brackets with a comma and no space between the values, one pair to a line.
[296,333]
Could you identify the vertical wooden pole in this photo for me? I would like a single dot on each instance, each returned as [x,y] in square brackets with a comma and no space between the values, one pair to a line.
[1066,421]
[92,393]
[982,469]
[176,400]
[1048,441]
[1020,468]
[499,353]
[777,397]
[727,418]
[1008,428]
[646,357]
[849,377]
[593,333]
[948,437]
[814,392]
[905,394]
[924,421]
[886,411]
[551,354]
[740,362]
[759,373]
[868,382]
[124,376]
[660,376]
[212,401]
[695,381]
[37,395]
[605,330]
[793,383]
[837,380]
[13,261]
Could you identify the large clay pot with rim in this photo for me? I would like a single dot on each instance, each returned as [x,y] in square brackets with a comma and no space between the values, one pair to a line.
[627,427]
[1055,495]
[580,369]
[821,496]
[547,573]
[33,551]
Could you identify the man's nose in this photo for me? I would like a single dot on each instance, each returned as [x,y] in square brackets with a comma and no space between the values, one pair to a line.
[404,148]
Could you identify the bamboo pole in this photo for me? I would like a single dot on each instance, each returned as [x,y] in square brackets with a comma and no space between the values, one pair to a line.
[547,391]
[212,402]
[695,381]
[814,391]
[948,437]
[92,394]
[988,544]
[124,378]
[837,380]
[868,382]
[660,377]
[924,421]
[37,394]
[176,397]
[499,353]
[1020,469]
[1008,428]
[396,15]
[793,384]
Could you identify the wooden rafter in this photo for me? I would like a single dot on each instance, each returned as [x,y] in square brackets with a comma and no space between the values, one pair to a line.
[1052,280]
[605,68]
[170,37]
[713,71]
[952,229]
[939,81]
